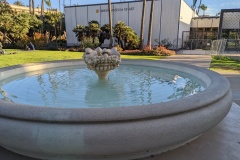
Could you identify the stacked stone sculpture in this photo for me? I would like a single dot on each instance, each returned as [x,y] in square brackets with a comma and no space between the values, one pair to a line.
[102,60]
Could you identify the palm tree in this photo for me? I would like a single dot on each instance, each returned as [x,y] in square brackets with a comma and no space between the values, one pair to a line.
[110,23]
[204,8]
[33,7]
[142,25]
[150,25]
[194,4]
[30,6]
[18,3]
[48,2]
[199,6]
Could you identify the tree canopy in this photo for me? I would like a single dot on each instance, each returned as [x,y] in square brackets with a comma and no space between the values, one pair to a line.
[126,36]
[204,8]
[19,3]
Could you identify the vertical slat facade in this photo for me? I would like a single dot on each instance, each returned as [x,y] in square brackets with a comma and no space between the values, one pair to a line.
[93,13]
[81,16]
[135,16]
[165,21]
[170,20]
[70,20]
[186,15]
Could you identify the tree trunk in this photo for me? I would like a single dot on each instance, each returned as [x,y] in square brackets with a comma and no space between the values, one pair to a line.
[199,6]
[30,6]
[42,14]
[110,23]
[150,25]
[42,8]
[33,7]
[142,25]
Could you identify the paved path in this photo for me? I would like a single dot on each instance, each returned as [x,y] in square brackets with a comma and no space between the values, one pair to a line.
[197,60]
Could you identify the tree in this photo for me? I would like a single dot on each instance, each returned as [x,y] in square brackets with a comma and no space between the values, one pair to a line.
[52,22]
[93,29]
[21,25]
[110,23]
[194,4]
[89,32]
[80,32]
[31,7]
[5,8]
[204,8]
[142,25]
[199,6]
[6,20]
[48,2]
[127,35]
[105,33]
[150,25]
[18,3]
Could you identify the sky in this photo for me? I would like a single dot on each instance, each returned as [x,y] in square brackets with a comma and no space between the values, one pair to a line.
[214,6]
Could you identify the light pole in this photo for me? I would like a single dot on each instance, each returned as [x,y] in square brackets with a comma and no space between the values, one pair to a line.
[110,23]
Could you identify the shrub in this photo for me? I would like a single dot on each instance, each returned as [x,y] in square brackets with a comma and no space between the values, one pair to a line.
[119,49]
[39,40]
[23,42]
[165,43]
[158,51]
[88,42]
[167,53]
[148,51]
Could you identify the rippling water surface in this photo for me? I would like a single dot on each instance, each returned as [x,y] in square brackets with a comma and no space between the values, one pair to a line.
[78,87]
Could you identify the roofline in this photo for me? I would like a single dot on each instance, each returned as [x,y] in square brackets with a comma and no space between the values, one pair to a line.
[85,5]
[231,10]
[207,17]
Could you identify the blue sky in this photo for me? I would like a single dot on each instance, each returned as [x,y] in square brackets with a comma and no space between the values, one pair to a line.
[214,6]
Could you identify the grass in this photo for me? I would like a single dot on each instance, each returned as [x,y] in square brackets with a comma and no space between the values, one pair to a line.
[225,63]
[23,57]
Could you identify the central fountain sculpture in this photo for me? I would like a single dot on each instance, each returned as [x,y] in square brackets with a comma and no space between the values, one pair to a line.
[102,60]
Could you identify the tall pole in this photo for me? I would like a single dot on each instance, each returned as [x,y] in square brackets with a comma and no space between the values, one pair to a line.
[110,23]
[30,6]
[142,25]
[33,7]
[150,26]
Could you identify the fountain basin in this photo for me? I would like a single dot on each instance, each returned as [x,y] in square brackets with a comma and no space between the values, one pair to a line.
[112,133]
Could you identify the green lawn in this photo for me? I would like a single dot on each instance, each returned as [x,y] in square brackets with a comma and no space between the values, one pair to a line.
[226,63]
[23,57]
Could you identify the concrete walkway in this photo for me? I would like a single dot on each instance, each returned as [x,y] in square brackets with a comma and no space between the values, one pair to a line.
[220,143]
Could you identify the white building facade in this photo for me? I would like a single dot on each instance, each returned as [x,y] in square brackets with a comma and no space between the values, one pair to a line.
[171,18]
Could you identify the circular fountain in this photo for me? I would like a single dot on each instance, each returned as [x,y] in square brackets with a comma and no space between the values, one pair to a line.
[102,61]
[116,132]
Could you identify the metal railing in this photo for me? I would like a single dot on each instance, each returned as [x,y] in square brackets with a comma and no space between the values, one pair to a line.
[225,47]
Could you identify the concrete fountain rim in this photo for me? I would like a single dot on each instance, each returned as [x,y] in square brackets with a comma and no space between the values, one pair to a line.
[217,87]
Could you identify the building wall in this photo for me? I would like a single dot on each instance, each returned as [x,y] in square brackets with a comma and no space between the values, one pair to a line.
[19,9]
[165,23]
[186,15]
[205,22]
